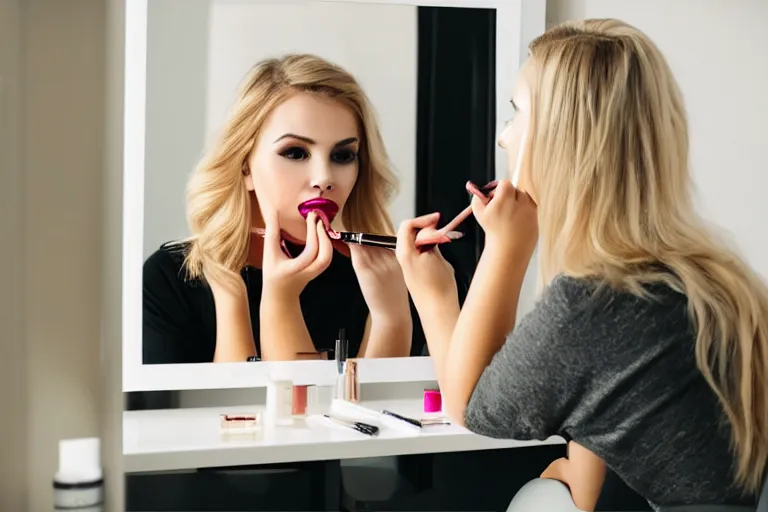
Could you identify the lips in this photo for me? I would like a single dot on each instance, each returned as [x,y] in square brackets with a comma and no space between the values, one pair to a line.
[326,206]
[326,209]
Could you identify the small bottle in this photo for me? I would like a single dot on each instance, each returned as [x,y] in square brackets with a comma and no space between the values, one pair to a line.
[79,481]
[300,401]
[280,403]
[351,382]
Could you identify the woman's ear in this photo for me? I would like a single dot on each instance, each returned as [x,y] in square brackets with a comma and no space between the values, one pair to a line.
[247,177]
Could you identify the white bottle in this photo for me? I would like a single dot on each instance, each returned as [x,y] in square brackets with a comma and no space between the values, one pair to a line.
[79,481]
[280,403]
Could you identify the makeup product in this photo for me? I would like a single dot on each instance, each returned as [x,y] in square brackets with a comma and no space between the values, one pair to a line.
[363,428]
[403,419]
[351,382]
[386,241]
[300,401]
[342,346]
[433,401]
[280,403]
[79,481]
[435,421]
[319,399]
[239,423]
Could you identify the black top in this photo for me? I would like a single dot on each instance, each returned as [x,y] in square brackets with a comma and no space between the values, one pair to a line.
[617,374]
[179,316]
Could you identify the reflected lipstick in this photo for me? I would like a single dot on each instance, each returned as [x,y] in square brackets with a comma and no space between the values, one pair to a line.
[326,206]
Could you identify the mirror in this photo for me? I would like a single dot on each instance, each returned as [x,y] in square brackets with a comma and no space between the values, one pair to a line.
[244,120]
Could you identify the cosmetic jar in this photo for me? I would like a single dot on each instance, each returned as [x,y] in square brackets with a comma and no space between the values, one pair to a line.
[319,399]
[237,424]
[79,481]
[280,403]
[433,401]
[300,401]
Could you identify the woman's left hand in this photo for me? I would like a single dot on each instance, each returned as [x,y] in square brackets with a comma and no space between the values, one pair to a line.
[381,281]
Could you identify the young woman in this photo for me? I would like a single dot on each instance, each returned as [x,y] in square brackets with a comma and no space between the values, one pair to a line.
[649,345]
[257,278]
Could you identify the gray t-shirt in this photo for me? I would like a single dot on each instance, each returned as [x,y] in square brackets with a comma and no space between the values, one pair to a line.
[617,374]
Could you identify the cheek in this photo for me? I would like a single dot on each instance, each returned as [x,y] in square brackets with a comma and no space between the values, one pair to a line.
[346,179]
[277,180]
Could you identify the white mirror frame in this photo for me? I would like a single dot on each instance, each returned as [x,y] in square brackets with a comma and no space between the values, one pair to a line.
[517,22]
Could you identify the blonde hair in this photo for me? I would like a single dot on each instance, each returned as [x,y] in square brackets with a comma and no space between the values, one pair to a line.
[608,162]
[218,203]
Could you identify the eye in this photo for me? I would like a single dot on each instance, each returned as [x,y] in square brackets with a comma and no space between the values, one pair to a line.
[295,153]
[343,156]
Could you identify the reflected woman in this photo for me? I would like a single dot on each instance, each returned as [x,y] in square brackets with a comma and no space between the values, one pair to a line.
[259,275]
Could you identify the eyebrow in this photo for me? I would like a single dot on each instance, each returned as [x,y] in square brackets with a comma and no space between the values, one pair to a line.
[344,142]
[514,105]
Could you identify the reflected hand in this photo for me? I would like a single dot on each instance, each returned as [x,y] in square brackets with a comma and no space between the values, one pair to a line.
[509,220]
[286,275]
[381,281]
[429,277]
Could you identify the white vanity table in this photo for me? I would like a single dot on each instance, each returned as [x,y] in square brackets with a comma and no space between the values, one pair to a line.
[176,439]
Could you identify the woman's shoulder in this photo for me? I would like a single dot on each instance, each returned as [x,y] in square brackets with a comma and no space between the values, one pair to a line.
[573,299]
[167,264]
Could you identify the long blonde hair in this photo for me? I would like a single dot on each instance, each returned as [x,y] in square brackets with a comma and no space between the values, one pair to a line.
[218,203]
[608,160]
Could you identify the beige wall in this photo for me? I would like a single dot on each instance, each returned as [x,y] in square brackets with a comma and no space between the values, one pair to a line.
[52,134]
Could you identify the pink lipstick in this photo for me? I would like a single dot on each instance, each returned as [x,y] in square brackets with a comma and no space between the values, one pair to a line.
[326,206]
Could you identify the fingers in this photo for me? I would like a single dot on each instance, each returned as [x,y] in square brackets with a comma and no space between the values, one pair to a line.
[311,247]
[324,253]
[478,207]
[406,234]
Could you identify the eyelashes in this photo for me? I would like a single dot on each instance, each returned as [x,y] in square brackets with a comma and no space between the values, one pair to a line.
[342,156]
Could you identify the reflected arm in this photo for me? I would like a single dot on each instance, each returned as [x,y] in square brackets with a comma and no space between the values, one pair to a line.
[387,337]
[234,335]
[283,332]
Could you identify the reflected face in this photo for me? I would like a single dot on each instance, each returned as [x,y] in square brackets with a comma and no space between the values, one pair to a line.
[516,130]
[305,158]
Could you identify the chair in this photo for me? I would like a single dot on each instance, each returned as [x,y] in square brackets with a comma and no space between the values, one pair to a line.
[543,494]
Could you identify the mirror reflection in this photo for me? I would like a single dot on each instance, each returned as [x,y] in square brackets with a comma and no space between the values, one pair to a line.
[278,138]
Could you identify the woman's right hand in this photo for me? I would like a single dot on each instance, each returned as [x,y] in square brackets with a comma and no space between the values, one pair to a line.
[287,276]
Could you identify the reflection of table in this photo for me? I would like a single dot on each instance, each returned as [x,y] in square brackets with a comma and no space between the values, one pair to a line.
[166,440]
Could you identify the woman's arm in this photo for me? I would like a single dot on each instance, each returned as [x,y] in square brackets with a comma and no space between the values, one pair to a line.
[463,342]
[234,334]
[583,472]
[387,337]
[283,332]
[488,315]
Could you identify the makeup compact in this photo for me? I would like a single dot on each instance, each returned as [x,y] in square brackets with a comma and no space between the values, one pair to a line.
[239,423]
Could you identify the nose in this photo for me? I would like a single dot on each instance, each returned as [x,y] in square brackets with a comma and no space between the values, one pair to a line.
[322,178]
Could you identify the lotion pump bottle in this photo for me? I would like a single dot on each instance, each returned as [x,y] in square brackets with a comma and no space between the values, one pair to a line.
[79,481]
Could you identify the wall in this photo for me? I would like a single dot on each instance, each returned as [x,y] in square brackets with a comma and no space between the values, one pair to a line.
[717,51]
[52,85]
[13,351]
[195,66]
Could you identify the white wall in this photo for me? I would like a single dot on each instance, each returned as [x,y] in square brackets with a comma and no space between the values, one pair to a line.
[52,84]
[718,51]
[200,51]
